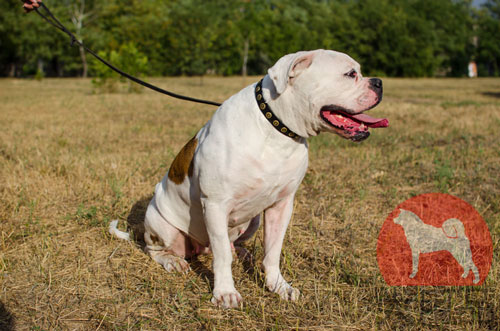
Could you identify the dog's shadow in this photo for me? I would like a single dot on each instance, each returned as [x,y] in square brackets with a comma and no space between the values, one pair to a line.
[7,320]
[135,220]
[135,223]
[491,94]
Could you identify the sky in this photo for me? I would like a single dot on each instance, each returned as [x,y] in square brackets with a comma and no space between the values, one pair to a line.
[477,3]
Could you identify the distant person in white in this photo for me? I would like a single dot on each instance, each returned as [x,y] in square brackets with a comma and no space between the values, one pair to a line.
[472,69]
[424,238]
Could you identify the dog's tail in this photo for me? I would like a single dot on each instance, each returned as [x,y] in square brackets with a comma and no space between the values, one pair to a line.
[113,229]
[454,228]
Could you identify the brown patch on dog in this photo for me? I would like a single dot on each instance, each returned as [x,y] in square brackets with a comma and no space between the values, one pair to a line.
[182,164]
[155,239]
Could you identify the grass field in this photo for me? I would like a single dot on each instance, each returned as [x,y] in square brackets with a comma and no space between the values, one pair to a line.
[71,161]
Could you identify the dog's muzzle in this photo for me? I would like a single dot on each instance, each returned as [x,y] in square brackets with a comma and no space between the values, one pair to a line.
[360,136]
[376,86]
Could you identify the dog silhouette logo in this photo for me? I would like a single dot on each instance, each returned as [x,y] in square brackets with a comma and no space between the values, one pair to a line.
[424,238]
[434,239]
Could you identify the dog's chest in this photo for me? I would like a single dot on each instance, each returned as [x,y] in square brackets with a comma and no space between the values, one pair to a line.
[263,182]
[243,163]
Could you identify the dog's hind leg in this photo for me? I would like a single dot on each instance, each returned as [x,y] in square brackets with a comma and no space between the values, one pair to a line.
[164,243]
[169,261]
[243,254]
[250,231]
[476,274]
[470,266]
[466,271]
[463,255]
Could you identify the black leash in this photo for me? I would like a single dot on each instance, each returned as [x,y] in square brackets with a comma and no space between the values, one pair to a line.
[52,20]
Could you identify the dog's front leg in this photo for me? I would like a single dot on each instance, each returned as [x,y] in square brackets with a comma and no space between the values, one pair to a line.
[216,219]
[276,219]
[415,257]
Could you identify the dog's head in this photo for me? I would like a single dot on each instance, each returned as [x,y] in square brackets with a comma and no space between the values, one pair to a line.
[406,216]
[325,91]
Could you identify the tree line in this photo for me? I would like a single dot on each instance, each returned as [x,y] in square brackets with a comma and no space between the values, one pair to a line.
[406,38]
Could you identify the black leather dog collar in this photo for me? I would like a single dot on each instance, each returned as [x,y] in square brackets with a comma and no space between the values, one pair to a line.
[269,115]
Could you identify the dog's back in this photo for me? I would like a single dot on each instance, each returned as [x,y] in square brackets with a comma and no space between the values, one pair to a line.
[428,238]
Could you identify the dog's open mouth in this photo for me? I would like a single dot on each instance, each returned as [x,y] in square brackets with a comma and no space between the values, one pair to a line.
[356,126]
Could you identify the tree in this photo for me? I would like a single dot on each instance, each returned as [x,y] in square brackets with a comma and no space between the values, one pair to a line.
[80,12]
[488,39]
[195,37]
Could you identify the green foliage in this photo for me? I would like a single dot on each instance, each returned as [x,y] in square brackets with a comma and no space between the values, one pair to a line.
[443,174]
[412,38]
[488,33]
[129,59]
[25,40]
[39,75]
[83,213]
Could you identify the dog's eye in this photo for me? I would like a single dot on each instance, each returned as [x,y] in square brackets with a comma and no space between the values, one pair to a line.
[351,74]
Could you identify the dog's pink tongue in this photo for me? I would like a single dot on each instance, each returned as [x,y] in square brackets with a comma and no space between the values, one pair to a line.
[371,121]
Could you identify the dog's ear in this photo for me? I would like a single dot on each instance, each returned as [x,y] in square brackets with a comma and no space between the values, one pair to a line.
[288,68]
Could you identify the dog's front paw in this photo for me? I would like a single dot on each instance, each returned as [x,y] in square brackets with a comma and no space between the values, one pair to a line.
[283,289]
[226,299]
[288,293]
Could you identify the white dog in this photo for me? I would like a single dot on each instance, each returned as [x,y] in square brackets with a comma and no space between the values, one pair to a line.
[250,158]
[424,238]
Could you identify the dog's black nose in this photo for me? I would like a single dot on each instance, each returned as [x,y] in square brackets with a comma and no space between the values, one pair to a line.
[376,83]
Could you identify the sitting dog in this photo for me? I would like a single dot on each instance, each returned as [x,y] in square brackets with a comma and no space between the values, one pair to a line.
[250,158]
[424,238]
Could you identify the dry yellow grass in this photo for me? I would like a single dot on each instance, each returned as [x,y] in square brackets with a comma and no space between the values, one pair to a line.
[70,161]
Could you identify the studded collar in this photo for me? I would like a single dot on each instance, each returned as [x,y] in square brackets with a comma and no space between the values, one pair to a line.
[269,115]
